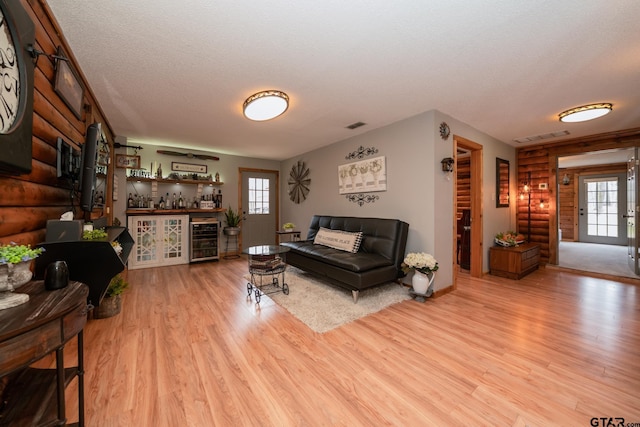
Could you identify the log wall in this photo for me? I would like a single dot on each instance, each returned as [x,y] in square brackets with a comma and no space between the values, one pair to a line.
[541,162]
[463,182]
[27,201]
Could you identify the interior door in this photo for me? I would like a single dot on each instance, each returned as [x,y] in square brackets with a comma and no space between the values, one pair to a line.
[632,209]
[602,202]
[259,208]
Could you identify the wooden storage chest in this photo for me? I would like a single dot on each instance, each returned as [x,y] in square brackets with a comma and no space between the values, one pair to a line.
[514,262]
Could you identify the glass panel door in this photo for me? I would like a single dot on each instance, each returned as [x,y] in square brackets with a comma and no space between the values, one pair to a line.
[602,202]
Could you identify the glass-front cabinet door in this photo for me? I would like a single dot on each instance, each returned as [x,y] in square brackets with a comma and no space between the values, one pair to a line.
[175,245]
[159,240]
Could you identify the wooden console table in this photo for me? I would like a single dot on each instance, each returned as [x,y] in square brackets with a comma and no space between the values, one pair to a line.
[28,333]
[514,262]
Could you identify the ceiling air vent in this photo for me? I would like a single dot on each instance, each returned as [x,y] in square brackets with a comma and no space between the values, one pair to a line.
[355,125]
[535,138]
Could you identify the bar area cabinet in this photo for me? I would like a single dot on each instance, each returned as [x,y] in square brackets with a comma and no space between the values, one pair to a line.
[159,240]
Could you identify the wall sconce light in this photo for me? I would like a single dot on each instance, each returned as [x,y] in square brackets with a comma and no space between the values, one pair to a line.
[565,179]
[35,54]
[447,164]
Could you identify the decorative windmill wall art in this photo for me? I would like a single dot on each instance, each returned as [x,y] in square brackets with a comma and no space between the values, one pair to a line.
[299,182]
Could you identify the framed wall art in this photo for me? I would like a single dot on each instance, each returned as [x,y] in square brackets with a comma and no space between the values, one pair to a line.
[188,167]
[128,162]
[67,85]
[363,176]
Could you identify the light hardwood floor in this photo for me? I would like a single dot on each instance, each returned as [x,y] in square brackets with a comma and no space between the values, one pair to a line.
[190,350]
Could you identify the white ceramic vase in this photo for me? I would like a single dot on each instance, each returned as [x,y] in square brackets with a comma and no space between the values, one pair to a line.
[421,281]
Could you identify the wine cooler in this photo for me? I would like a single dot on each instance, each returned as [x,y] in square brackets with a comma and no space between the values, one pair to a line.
[205,239]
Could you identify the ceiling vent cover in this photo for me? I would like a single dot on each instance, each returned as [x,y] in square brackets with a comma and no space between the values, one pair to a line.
[541,137]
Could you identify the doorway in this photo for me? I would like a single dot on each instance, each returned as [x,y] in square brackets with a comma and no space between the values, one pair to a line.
[259,201]
[602,201]
[593,191]
[475,227]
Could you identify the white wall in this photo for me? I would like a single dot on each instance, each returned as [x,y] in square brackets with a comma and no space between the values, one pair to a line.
[418,192]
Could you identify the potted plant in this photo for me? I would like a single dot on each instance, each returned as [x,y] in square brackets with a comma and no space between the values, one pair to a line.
[95,234]
[112,302]
[233,219]
[15,265]
[288,227]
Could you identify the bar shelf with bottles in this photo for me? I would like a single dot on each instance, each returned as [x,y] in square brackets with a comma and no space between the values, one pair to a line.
[172,195]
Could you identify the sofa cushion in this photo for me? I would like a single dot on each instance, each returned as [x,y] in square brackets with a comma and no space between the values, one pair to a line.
[357,262]
[339,239]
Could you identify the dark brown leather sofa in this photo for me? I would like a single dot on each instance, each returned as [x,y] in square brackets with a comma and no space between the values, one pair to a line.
[377,261]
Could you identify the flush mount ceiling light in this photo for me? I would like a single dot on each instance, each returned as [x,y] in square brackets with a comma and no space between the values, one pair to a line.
[265,105]
[586,112]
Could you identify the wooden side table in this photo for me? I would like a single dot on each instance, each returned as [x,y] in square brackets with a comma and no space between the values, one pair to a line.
[29,332]
[514,262]
[294,236]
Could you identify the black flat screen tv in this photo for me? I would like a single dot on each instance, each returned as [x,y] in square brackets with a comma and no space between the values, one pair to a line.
[88,169]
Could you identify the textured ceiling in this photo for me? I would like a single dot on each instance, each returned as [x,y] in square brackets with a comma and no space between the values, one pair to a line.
[176,73]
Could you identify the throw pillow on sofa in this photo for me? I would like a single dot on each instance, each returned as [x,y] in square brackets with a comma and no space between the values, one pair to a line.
[338,239]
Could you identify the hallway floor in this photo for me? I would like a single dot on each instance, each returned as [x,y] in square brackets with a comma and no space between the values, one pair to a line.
[605,259]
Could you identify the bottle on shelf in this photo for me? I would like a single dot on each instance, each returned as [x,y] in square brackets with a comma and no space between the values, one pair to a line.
[181,201]
[161,204]
[159,171]
[194,205]
[149,202]
[130,202]
[167,202]
[174,202]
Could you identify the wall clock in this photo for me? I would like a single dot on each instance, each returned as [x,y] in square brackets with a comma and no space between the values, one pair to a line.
[299,182]
[17,31]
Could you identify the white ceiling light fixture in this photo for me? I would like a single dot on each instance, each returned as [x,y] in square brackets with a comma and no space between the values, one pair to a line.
[265,105]
[586,112]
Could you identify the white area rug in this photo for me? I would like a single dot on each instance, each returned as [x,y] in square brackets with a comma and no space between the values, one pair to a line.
[323,307]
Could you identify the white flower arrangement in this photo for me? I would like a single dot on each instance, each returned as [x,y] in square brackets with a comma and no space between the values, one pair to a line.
[423,262]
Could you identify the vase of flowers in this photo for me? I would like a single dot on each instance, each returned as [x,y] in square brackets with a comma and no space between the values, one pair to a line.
[18,260]
[15,271]
[424,267]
